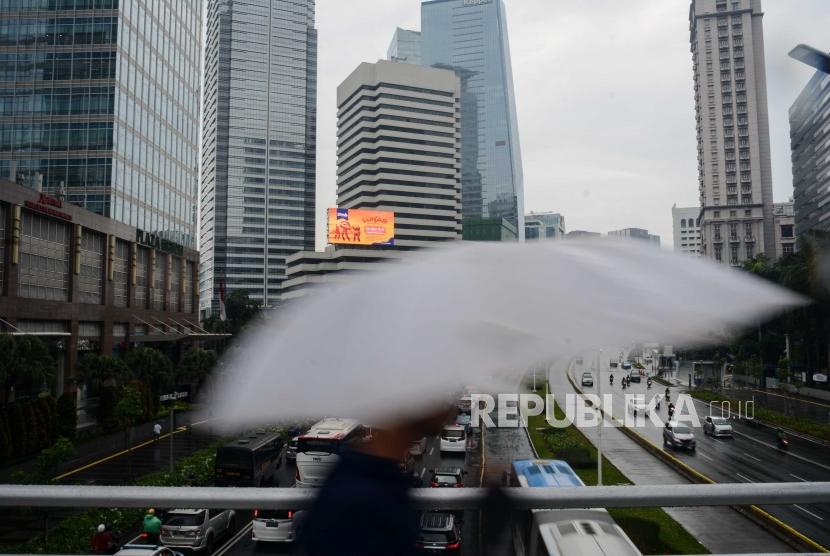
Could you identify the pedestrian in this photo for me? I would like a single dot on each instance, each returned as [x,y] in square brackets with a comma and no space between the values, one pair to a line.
[156,432]
[103,541]
[151,527]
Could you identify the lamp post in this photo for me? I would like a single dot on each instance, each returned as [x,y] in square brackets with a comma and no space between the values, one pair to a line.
[601,419]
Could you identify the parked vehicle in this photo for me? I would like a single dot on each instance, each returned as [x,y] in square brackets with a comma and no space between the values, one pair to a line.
[587,379]
[454,439]
[418,447]
[678,435]
[250,461]
[272,526]
[634,376]
[146,550]
[439,533]
[717,426]
[196,529]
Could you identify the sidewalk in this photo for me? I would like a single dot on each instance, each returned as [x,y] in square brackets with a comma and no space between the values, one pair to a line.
[720,529]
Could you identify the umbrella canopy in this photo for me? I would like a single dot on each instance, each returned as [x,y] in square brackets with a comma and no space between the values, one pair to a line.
[393,343]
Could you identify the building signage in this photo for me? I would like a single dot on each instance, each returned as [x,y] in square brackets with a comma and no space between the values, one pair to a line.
[173,397]
[49,206]
[361,227]
[819,377]
[157,242]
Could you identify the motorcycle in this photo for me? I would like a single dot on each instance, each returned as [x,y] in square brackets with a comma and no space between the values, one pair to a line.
[648,384]
[783,443]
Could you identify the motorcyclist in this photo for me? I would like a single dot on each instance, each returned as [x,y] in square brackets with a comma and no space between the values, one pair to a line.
[671,410]
[103,541]
[151,527]
[648,382]
[668,394]
[781,436]
[611,379]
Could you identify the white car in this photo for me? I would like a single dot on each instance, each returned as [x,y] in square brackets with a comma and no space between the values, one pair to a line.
[587,379]
[636,407]
[273,526]
[717,426]
[454,439]
[198,530]
[146,550]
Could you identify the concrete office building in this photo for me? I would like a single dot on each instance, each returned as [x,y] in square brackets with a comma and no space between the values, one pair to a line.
[733,147]
[785,236]
[258,188]
[636,233]
[686,232]
[810,141]
[86,283]
[470,37]
[542,226]
[99,107]
[581,234]
[397,150]
[405,47]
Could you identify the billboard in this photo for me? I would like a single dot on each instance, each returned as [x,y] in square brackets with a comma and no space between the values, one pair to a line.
[361,227]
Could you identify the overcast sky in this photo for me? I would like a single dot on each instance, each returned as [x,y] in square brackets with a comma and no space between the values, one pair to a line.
[604,99]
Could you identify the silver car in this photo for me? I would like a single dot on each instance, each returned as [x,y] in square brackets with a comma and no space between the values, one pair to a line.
[678,435]
[717,426]
[196,529]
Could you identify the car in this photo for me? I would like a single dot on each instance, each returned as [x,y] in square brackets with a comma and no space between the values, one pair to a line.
[463,419]
[614,364]
[634,376]
[418,447]
[638,407]
[626,365]
[579,360]
[679,435]
[146,550]
[454,439]
[196,529]
[439,533]
[273,526]
[587,379]
[447,477]
[717,426]
[291,449]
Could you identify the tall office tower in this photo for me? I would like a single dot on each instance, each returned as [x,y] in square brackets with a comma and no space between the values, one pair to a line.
[470,37]
[398,140]
[99,106]
[543,226]
[733,148]
[397,148]
[810,141]
[685,229]
[405,47]
[259,146]
[784,221]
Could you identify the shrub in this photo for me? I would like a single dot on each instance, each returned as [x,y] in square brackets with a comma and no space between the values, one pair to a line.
[41,424]
[52,412]
[17,428]
[52,457]
[67,415]
[31,427]
[578,457]
[106,408]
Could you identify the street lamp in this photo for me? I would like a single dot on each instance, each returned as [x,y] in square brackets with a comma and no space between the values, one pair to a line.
[812,57]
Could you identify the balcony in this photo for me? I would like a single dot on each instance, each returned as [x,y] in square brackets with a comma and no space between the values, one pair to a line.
[749,238]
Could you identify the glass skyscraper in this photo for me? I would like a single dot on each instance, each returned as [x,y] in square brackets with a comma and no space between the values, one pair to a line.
[258,145]
[470,37]
[99,106]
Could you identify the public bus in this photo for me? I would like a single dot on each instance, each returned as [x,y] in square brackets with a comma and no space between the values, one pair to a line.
[249,461]
[540,532]
[318,450]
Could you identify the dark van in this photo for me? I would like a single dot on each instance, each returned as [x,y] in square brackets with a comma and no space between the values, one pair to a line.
[250,461]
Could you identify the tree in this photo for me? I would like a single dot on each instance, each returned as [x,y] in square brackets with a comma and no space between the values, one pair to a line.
[240,309]
[195,366]
[51,458]
[101,370]
[67,410]
[25,364]
[128,412]
[151,367]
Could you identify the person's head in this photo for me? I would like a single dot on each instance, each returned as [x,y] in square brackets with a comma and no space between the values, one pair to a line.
[102,528]
[151,511]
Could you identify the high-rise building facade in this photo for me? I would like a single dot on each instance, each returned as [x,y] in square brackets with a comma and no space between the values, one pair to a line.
[398,141]
[543,226]
[810,141]
[470,37]
[635,233]
[733,147]
[784,222]
[258,147]
[99,107]
[405,47]
[685,228]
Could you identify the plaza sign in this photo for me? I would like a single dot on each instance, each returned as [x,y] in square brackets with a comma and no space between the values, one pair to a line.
[149,239]
[174,396]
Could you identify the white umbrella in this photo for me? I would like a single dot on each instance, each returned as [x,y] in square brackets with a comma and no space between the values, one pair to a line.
[392,343]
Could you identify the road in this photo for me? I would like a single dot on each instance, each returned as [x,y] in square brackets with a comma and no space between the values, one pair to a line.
[241,544]
[751,456]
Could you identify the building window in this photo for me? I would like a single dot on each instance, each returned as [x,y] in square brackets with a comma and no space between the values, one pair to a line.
[717,232]
[717,214]
[90,281]
[788,248]
[142,265]
[120,271]
[683,223]
[733,254]
[718,253]
[787,231]
[44,258]
[750,250]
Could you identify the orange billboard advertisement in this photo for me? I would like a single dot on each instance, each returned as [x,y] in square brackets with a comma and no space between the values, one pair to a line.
[361,227]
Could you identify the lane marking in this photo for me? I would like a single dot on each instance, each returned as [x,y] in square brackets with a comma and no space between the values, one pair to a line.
[799,478]
[423,470]
[431,450]
[806,511]
[233,540]
[704,456]
[178,430]
[799,400]
[745,478]
[751,456]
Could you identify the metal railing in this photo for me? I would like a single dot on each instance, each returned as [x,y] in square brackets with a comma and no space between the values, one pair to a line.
[637,496]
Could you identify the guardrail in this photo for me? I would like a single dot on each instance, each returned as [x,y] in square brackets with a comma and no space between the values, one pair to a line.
[636,496]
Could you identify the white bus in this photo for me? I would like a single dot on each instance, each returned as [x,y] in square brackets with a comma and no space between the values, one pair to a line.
[319,448]
[587,532]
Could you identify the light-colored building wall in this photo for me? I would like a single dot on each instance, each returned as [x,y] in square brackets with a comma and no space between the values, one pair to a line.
[735,179]
[542,226]
[405,47]
[635,233]
[785,236]
[686,232]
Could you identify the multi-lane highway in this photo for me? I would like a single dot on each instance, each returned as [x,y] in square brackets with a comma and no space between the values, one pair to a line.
[750,456]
